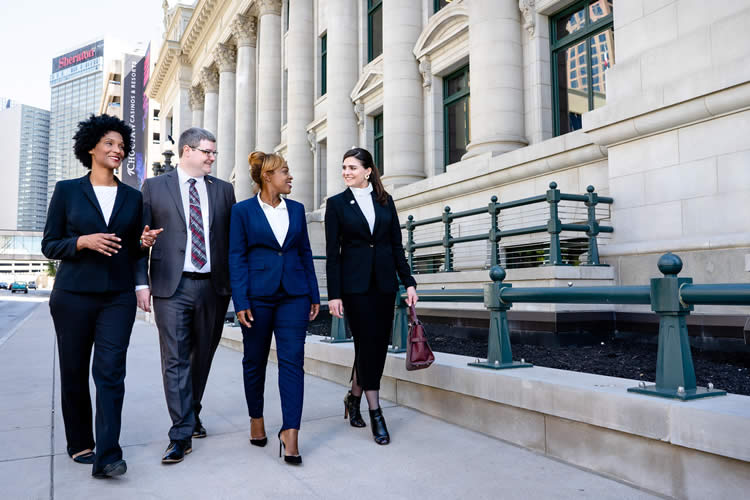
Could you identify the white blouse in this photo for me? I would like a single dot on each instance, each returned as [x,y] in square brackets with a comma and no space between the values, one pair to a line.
[364,200]
[106,195]
[278,219]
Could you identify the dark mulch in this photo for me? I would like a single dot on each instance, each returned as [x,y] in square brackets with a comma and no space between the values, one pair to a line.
[615,358]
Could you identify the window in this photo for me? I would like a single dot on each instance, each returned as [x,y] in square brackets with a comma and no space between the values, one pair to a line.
[286,16]
[456,115]
[374,29]
[323,65]
[439,4]
[378,142]
[578,33]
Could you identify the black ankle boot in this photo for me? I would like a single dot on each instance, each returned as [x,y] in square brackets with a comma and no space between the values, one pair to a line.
[351,409]
[379,430]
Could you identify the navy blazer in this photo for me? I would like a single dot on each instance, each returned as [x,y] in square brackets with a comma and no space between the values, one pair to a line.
[258,265]
[354,255]
[74,211]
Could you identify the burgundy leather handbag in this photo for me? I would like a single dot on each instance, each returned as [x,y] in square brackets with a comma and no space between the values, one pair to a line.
[418,352]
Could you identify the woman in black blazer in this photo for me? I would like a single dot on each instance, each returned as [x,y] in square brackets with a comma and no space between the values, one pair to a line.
[364,254]
[94,229]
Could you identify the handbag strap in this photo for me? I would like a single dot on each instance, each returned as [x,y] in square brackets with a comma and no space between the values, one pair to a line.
[413,315]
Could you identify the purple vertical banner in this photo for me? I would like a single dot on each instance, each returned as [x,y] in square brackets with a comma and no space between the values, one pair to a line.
[131,111]
[142,133]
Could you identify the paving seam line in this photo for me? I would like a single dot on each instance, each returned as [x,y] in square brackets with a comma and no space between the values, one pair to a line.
[13,331]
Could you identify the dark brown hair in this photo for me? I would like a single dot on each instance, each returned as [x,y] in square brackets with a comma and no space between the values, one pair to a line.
[261,163]
[365,157]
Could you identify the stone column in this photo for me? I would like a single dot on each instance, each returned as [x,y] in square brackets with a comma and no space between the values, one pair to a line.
[196,104]
[210,84]
[496,58]
[342,75]
[182,115]
[269,75]
[244,31]
[300,96]
[226,59]
[403,127]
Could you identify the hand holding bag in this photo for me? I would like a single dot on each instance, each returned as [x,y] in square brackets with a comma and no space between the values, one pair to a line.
[418,352]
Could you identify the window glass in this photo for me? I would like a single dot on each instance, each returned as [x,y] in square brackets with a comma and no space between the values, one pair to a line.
[375,28]
[570,24]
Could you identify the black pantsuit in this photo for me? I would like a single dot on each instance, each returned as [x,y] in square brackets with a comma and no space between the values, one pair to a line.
[361,268]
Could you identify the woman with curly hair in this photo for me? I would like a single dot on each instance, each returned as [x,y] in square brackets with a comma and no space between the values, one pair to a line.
[94,228]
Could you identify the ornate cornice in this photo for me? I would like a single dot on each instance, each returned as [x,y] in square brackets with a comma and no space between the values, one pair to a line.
[169,52]
[204,9]
[197,97]
[225,57]
[442,28]
[268,7]
[210,80]
[245,30]
[528,11]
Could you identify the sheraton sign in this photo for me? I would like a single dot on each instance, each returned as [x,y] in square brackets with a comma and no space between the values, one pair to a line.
[78,56]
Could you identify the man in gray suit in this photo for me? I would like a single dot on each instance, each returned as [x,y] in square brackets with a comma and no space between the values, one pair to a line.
[189,275]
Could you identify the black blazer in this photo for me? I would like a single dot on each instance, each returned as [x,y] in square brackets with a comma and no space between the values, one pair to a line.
[74,211]
[353,255]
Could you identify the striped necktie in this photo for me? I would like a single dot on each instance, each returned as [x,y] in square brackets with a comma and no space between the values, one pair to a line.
[198,242]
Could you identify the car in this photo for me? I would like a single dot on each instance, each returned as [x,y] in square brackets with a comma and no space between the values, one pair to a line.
[3,285]
[19,286]
[32,285]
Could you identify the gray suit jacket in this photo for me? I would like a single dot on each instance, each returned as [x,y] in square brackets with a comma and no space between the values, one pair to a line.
[162,208]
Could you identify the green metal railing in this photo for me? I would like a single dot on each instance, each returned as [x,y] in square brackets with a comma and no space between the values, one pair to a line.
[554,226]
[671,297]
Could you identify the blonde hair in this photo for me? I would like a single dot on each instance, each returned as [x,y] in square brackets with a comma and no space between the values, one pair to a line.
[260,163]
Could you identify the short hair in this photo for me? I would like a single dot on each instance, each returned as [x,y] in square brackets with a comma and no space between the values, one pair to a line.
[91,131]
[192,137]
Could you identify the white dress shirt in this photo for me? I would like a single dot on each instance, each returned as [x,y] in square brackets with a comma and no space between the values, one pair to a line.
[106,195]
[200,185]
[278,219]
[364,200]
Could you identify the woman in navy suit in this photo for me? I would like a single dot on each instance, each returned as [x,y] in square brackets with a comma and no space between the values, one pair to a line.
[274,290]
[94,228]
[364,255]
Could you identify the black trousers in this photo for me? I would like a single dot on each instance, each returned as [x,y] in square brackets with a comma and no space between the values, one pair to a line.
[104,322]
[190,323]
[370,317]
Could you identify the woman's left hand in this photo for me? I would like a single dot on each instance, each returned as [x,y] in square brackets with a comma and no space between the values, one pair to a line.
[314,310]
[148,237]
[411,296]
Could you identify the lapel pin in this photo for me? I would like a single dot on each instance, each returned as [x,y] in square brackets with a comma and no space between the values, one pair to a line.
[351,202]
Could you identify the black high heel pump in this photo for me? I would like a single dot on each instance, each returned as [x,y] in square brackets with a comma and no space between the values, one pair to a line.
[290,459]
[351,410]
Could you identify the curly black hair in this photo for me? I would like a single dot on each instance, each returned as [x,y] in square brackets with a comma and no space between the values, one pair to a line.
[91,131]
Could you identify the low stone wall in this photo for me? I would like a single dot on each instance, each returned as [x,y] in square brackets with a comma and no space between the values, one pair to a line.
[691,450]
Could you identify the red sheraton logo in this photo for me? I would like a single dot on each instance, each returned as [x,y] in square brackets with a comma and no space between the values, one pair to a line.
[65,61]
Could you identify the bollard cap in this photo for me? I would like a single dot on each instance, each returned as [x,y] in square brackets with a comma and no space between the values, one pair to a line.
[553,185]
[669,264]
[590,188]
[497,273]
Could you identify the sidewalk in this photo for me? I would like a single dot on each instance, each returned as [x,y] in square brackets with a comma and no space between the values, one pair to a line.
[428,458]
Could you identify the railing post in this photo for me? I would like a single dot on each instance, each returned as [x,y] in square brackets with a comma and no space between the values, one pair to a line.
[400,323]
[554,226]
[675,375]
[338,331]
[494,237]
[447,240]
[410,241]
[499,354]
[592,199]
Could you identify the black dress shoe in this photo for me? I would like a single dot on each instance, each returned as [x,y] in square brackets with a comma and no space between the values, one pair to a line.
[176,451]
[351,410]
[290,459]
[111,470]
[379,430]
[199,431]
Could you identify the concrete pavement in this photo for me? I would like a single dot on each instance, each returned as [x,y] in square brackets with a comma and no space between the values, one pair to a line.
[428,458]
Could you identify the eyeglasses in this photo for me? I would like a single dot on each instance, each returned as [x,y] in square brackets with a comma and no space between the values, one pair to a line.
[207,151]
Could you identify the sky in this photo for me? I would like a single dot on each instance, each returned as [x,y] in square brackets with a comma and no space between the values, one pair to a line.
[32,32]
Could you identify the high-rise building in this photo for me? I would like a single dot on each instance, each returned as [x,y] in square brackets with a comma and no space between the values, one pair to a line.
[24,138]
[76,83]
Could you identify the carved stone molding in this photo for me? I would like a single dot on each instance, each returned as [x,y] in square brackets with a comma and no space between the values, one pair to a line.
[313,141]
[197,97]
[425,68]
[528,11]
[245,30]
[359,110]
[269,7]
[210,80]
[225,57]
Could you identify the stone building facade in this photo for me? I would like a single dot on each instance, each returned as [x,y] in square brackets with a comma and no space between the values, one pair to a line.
[647,100]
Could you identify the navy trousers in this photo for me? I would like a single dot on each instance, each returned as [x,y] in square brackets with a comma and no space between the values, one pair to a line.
[286,317]
[103,321]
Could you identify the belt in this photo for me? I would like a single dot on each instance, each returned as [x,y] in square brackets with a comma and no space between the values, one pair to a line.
[196,276]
